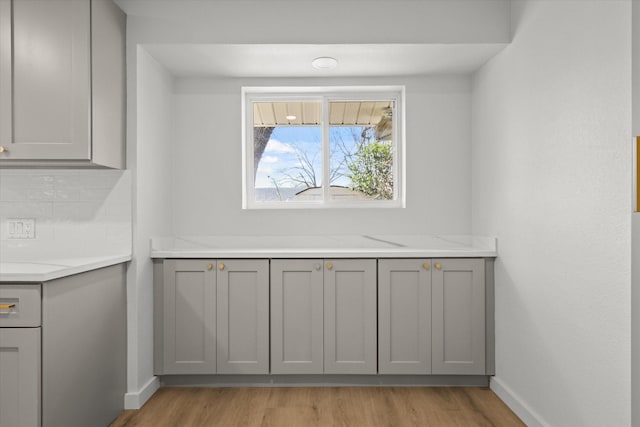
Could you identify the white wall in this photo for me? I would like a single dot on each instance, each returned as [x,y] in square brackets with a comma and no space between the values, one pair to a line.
[551,179]
[151,149]
[207,158]
[149,159]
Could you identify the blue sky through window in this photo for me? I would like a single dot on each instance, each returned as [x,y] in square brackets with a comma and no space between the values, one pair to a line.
[290,147]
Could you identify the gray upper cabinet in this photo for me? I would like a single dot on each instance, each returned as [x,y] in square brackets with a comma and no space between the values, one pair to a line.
[297,316]
[350,336]
[243,316]
[189,317]
[62,83]
[404,316]
[458,317]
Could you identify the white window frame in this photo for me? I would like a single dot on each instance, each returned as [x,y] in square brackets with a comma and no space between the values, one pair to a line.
[325,94]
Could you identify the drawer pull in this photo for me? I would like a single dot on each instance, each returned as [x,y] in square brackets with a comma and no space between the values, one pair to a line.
[6,306]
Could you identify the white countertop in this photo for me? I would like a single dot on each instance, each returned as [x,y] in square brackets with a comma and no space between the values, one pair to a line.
[50,268]
[348,246]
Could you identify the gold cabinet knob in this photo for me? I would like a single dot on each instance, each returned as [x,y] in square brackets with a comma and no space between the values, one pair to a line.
[329,266]
[3,149]
[221,266]
[437,266]
[209,266]
[426,266]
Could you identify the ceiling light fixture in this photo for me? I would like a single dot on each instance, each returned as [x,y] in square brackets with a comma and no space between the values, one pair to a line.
[290,117]
[324,63]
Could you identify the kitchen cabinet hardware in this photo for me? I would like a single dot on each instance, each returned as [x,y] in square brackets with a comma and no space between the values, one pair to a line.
[6,306]
[329,266]
[221,266]
[437,265]
[209,266]
[426,266]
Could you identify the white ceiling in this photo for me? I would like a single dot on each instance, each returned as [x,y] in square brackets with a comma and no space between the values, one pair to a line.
[294,60]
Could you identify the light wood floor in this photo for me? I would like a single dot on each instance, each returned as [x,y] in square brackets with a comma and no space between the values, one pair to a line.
[339,406]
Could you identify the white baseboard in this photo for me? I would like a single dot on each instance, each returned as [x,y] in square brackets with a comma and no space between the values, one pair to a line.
[516,404]
[135,400]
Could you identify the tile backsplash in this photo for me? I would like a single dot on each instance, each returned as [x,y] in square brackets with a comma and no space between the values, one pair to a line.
[76,212]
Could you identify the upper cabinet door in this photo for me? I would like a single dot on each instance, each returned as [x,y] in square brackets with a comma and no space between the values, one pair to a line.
[243,316]
[5,74]
[45,110]
[108,84]
[404,316]
[458,335]
[350,316]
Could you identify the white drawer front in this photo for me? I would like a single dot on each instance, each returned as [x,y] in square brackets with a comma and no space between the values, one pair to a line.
[19,306]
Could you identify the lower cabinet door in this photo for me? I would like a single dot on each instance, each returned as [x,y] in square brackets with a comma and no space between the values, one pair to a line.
[296,316]
[458,319]
[243,316]
[189,329]
[19,377]
[350,336]
[404,316]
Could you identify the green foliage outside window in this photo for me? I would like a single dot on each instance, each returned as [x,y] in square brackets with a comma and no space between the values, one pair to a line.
[371,169]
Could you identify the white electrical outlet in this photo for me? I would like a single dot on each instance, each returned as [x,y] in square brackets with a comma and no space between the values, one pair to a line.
[21,228]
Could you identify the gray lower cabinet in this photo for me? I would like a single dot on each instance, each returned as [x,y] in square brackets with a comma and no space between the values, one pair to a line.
[63,350]
[84,348]
[331,316]
[243,316]
[189,317]
[350,335]
[297,316]
[214,317]
[19,376]
[431,316]
[323,316]
[20,354]
[458,317]
[404,316]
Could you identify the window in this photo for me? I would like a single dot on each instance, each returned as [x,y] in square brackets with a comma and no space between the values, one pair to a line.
[323,147]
